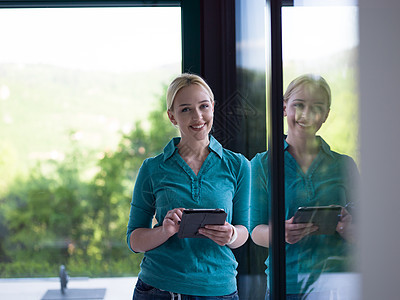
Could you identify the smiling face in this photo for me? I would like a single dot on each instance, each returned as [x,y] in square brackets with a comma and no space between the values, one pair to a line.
[306,110]
[192,112]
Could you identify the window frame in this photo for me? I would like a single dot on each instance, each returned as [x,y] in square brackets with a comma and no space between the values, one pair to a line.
[205,23]
[88,3]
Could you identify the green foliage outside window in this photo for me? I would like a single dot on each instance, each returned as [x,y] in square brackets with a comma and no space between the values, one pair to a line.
[59,216]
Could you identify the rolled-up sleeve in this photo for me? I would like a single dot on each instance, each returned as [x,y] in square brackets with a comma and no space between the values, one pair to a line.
[259,206]
[142,204]
[241,199]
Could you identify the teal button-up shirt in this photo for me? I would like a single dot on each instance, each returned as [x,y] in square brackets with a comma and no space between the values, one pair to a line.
[330,180]
[190,266]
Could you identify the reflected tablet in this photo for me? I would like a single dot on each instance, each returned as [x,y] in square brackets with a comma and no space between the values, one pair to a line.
[325,217]
[193,219]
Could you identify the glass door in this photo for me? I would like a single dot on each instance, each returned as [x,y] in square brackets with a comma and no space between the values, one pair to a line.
[319,55]
[82,104]
[312,156]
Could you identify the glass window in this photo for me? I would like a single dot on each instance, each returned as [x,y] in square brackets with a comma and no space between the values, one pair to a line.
[320,155]
[324,40]
[251,68]
[82,104]
[321,150]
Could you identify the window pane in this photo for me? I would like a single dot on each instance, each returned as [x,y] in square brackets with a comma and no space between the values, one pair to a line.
[323,40]
[251,88]
[320,168]
[82,104]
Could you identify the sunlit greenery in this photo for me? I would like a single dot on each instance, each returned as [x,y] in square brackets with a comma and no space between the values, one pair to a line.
[57,215]
[74,210]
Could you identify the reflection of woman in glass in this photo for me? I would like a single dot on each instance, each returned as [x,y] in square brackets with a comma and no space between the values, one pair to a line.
[194,171]
[314,176]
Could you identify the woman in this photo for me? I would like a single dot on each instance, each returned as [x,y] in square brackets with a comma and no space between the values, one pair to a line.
[314,176]
[194,171]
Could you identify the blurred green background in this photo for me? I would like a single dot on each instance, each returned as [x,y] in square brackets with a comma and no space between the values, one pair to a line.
[71,143]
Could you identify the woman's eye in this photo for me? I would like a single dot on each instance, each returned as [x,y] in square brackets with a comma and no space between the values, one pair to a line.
[298,105]
[317,108]
[204,106]
[185,109]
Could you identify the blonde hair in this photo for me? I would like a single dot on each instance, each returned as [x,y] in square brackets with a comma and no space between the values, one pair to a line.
[182,81]
[313,80]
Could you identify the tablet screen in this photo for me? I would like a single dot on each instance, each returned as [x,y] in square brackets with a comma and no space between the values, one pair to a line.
[325,217]
[193,219]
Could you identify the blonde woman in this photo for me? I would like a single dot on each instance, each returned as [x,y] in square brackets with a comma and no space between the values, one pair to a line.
[314,176]
[194,171]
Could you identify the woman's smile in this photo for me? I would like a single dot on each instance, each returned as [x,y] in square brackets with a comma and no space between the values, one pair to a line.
[198,127]
[304,124]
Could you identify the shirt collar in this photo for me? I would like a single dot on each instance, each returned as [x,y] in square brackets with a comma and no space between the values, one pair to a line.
[171,147]
[323,145]
[285,144]
[215,146]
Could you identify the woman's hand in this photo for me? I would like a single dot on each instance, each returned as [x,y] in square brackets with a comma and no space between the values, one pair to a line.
[345,226]
[221,234]
[145,239]
[171,221]
[295,232]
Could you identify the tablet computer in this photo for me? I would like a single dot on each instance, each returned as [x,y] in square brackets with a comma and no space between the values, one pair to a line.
[193,219]
[325,217]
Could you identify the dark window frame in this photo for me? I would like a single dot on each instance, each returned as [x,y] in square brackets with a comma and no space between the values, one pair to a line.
[97,3]
[220,73]
[276,159]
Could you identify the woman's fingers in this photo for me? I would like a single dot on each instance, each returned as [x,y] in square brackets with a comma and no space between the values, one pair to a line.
[221,234]
[174,215]
[345,226]
[172,220]
[295,232]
